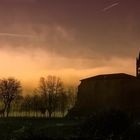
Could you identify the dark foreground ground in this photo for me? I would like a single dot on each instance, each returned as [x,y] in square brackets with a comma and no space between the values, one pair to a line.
[37,128]
[114,125]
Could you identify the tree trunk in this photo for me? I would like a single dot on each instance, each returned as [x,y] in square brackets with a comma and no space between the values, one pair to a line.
[5,106]
[50,114]
[8,110]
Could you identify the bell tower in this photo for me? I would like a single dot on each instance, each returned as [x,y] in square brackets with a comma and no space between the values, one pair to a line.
[138,66]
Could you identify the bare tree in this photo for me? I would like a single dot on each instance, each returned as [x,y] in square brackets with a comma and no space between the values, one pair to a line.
[16,105]
[26,105]
[9,90]
[49,88]
[63,102]
[35,104]
[71,94]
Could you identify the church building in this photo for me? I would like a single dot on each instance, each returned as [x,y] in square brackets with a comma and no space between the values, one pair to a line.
[118,91]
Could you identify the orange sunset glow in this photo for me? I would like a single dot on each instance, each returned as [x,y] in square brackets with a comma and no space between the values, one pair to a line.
[67,39]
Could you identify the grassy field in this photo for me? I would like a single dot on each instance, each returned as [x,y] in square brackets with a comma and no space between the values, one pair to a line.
[101,127]
[36,128]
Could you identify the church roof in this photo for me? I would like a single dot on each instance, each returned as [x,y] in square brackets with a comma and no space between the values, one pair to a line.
[111,76]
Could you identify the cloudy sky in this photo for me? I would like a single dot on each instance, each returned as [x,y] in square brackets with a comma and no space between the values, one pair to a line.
[72,39]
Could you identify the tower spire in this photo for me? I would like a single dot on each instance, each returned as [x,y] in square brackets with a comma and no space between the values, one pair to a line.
[138,66]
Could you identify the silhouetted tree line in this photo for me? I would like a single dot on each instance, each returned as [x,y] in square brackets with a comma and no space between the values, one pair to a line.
[51,97]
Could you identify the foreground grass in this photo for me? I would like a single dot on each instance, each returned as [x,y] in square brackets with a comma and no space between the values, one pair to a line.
[113,125]
[25,128]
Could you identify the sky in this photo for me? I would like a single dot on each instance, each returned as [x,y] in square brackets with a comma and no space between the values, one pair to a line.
[72,39]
